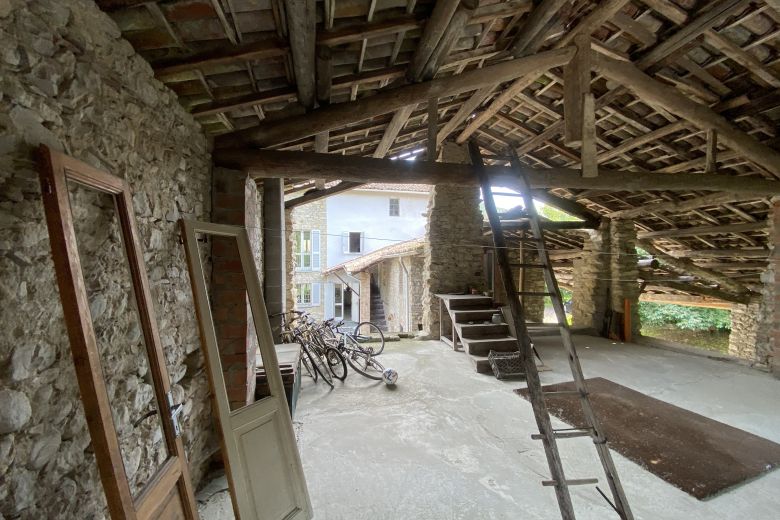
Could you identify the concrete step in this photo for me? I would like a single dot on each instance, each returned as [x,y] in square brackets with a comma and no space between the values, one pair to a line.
[482,347]
[477,315]
[469,302]
[482,330]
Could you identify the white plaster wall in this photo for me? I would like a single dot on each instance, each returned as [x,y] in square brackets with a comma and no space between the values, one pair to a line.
[368,212]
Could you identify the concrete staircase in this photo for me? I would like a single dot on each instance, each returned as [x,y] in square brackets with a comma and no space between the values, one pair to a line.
[377,309]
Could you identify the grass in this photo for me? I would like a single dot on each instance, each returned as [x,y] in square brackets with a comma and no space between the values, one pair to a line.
[717,341]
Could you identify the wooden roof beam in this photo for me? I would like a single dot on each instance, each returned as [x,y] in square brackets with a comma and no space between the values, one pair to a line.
[318,194]
[305,165]
[342,114]
[301,28]
[724,229]
[681,206]
[656,93]
[687,266]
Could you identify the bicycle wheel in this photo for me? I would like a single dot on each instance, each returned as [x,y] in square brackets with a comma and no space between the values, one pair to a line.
[319,365]
[308,366]
[336,363]
[370,336]
[365,364]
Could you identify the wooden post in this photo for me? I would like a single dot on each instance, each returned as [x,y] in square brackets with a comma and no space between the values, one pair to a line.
[433,126]
[588,158]
[712,150]
[576,83]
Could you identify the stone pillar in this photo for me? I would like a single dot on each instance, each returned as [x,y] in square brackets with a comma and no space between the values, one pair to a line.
[755,332]
[624,271]
[453,256]
[289,261]
[274,246]
[589,283]
[234,202]
[773,281]
[364,277]
[532,280]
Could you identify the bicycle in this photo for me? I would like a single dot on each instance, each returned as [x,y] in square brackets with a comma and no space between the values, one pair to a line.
[361,356]
[319,359]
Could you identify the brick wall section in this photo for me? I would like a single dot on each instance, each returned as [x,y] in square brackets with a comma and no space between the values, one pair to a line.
[774,281]
[453,258]
[234,202]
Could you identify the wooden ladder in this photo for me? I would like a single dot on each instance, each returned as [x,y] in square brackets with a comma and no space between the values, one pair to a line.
[547,434]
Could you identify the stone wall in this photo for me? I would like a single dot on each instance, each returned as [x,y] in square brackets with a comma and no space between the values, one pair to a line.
[532,280]
[605,275]
[753,326]
[590,285]
[309,217]
[69,81]
[453,233]
[400,288]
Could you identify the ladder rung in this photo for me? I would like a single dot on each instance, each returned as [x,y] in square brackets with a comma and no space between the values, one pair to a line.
[565,434]
[530,266]
[534,293]
[572,482]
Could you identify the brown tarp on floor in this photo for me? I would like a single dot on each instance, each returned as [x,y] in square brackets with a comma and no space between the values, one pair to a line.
[701,456]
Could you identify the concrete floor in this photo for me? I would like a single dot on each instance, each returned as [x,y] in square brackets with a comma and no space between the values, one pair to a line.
[448,443]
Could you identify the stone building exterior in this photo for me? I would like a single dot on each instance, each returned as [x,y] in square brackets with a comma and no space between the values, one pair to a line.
[310,217]
[71,82]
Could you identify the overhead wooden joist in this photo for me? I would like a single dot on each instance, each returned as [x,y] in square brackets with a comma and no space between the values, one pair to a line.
[701,290]
[305,165]
[687,266]
[681,206]
[658,94]
[336,116]
[705,230]
[318,194]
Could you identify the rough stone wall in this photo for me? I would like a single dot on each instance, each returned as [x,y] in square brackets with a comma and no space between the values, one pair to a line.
[605,275]
[68,80]
[289,260]
[590,281]
[401,298]
[453,233]
[624,270]
[533,281]
[753,326]
[416,266]
[308,217]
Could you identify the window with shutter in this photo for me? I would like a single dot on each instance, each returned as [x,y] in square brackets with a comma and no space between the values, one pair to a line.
[315,250]
[315,294]
[395,208]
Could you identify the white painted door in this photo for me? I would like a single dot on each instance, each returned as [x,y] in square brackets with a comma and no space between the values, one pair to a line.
[262,460]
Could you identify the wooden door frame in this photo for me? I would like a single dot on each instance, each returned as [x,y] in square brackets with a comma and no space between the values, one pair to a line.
[208,334]
[56,169]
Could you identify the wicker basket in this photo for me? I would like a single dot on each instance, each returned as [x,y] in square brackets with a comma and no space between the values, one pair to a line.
[506,365]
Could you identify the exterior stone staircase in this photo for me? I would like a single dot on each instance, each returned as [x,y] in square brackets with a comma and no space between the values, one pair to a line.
[377,309]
